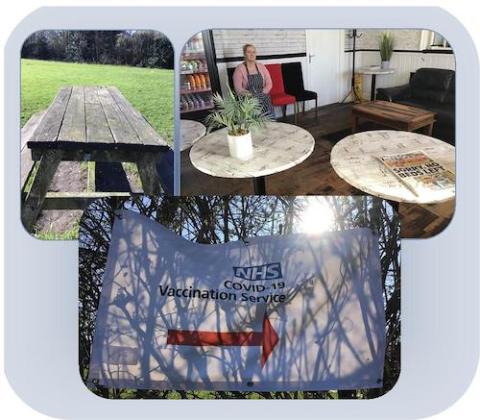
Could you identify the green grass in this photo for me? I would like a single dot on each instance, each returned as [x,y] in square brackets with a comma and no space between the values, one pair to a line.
[148,90]
[50,235]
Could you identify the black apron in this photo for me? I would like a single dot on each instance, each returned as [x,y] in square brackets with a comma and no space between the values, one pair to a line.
[255,87]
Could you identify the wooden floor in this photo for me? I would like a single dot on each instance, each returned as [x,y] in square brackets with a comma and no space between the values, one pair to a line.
[316,176]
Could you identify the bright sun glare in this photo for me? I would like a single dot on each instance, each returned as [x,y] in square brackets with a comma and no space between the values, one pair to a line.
[316,218]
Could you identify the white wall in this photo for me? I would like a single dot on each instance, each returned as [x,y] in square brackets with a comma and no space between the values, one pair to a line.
[229,42]
[405,39]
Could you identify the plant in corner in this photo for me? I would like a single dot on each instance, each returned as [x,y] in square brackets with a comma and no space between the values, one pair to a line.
[239,114]
[386,49]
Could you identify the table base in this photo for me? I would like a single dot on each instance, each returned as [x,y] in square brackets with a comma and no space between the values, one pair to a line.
[259,186]
[48,162]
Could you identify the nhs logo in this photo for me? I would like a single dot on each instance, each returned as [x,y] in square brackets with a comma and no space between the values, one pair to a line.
[270,271]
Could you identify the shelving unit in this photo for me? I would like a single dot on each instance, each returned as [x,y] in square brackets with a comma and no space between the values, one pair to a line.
[195,88]
[198,77]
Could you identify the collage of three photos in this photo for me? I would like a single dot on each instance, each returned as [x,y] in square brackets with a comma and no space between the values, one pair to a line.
[305,157]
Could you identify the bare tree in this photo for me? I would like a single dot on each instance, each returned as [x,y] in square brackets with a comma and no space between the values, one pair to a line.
[213,219]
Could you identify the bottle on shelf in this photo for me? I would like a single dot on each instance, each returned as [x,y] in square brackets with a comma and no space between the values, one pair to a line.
[202,81]
[198,81]
[191,79]
[196,101]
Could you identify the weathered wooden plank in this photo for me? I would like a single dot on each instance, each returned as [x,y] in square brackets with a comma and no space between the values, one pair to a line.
[91,96]
[147,169]
[120,128]
[26,161]
[90,176]
[97,155]
[76,200]
[36,196]
[47,131]
[73,125]
[30,127]
[97,127]
[145,132]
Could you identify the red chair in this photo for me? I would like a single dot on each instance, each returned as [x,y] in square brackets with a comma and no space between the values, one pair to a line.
[277,94]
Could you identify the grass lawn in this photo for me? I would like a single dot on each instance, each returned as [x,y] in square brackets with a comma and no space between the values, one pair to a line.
[148,90]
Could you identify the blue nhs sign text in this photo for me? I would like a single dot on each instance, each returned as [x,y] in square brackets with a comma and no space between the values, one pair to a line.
[270,271]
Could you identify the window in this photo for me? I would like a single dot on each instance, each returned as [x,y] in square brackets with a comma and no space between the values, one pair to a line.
[430,40]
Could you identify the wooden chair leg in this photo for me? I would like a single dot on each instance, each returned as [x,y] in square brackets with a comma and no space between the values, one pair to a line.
[295,111]
[284,110]
[316,109]
[147,169]
[303,107]
[35,198]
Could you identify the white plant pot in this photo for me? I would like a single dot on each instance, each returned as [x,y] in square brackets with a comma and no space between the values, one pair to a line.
[385,65]
[240,147]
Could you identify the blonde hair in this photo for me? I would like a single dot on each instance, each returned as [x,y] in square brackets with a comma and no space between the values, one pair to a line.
[247,46]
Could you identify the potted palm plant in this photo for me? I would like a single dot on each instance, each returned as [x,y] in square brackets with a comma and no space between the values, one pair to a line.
[386,49]
[239,114]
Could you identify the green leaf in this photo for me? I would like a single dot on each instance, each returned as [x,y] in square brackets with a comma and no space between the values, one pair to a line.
[239,113]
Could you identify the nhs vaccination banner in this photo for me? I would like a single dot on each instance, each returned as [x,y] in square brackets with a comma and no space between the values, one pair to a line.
[274,313]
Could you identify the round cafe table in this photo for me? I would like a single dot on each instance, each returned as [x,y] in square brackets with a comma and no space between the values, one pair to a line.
[374,71]
[354,159]
[190,131]
[276,147]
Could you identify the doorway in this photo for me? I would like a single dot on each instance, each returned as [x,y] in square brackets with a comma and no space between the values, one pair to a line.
[325,49]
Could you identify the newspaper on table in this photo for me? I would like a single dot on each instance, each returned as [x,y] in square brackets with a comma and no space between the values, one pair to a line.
[423,176]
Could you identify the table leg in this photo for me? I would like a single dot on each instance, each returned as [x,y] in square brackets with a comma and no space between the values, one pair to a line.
[395,206]
[354,123]
[35,198]
[259,185]
[429,129]
[372,91]
[147,169]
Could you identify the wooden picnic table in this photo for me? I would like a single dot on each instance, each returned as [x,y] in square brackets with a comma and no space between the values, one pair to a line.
[91,123]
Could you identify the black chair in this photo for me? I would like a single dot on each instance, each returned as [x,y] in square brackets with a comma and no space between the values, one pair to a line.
[432,89]
[293,83]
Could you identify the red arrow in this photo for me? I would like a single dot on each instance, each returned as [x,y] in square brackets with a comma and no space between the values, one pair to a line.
[268,338]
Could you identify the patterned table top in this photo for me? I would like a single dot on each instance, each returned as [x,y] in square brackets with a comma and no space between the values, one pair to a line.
[191,132]
[276,147]
[354,160]
[375,70]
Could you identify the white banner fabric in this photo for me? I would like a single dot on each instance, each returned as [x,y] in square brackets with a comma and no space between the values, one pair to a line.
[274,313]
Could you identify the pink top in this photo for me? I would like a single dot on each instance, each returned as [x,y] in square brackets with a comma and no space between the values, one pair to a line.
[240,78]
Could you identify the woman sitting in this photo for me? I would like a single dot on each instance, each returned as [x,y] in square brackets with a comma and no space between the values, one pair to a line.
[253,78]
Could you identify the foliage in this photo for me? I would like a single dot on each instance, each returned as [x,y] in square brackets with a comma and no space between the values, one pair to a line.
[148,90]
[216,219]
[133,48]
[239,113]
[386,46]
